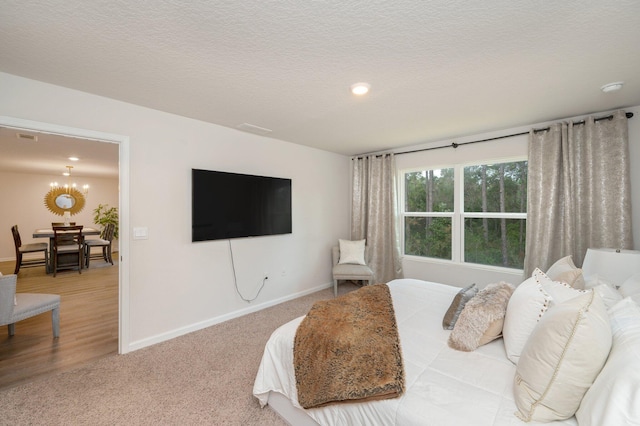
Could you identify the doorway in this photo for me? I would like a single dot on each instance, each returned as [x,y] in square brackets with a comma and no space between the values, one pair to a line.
[90,136]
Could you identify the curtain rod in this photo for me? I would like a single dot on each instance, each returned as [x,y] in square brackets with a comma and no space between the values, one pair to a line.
[455,145]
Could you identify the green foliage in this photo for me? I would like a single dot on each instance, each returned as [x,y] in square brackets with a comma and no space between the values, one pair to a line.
[104,214]
[496,188]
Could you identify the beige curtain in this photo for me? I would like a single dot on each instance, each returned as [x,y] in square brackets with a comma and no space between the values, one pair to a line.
[579,190]
[374,213]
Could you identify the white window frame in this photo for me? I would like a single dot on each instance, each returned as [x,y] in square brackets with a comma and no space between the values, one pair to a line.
[458,215]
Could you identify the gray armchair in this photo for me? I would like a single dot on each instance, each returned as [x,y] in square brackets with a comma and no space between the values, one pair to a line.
[16,307]
[350,271]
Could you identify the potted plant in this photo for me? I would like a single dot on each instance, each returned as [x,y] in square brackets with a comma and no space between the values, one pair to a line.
[104,214]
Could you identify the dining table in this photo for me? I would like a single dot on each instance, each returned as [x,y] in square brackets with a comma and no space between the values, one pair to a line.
[48,233]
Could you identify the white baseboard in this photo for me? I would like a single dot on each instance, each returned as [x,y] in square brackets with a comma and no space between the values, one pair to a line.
[143,343]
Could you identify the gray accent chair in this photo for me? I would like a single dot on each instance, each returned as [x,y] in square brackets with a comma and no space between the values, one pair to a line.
[16,307]
[349,271]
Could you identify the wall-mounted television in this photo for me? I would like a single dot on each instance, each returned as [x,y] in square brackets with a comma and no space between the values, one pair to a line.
[232,205]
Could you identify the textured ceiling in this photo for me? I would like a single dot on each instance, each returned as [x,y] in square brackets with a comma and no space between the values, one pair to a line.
[438,69]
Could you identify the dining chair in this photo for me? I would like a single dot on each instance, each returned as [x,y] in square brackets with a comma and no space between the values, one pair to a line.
[105,240]
[16,307]
[21,250]
[68,248]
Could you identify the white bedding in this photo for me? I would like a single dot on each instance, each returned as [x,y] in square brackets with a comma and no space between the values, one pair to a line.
[443,386]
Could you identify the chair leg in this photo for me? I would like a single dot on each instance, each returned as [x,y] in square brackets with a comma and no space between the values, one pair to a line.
[55,322]
[18,262]
[335,288]
[12,329]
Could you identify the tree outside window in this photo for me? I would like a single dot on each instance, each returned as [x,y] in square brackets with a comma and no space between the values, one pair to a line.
[492,215]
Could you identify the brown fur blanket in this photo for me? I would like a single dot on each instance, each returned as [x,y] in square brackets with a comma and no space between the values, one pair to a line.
[348,349]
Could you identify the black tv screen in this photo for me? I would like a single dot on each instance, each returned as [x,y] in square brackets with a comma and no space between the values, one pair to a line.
[231,205]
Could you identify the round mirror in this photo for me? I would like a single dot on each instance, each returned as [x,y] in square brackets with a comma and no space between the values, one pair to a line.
[61,200]
[65,201]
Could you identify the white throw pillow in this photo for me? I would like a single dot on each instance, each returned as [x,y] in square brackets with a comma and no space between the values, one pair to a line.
[527,305]
[559,291]
[631,286]
[608,294]
[613,398]
[562,358]
[566,271]
[595,280]
[352,252]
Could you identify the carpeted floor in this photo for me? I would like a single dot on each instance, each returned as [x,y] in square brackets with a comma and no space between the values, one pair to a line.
[203,378]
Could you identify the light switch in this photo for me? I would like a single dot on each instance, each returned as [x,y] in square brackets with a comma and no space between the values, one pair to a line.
[140,233]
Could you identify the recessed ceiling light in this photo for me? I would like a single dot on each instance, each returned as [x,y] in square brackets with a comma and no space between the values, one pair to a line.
[73,158]
[612,87]
[360,88]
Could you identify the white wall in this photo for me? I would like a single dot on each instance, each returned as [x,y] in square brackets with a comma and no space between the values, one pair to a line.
[462,275]
[176,286]
[28,211]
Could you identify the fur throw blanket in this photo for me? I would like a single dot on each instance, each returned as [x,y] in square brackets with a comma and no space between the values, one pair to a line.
[348,349]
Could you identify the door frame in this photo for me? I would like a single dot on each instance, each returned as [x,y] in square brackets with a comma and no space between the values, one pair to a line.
[123,179]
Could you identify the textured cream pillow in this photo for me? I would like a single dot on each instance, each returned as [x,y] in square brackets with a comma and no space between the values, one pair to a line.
[460,299]
[613,398]
[558,290]
[482,318]
[352,252]
[566,271]
[562,358]
[527,305]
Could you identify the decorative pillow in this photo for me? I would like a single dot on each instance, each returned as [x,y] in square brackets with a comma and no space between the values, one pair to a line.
[608,294]
[613,397]
[631,286]
[562,358]
[352,252]
[595,280]
[566,271]
[527,305]
[558,290]
[482,318]
[460,299]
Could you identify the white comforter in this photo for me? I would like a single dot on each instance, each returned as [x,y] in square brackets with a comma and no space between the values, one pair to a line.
[443,386]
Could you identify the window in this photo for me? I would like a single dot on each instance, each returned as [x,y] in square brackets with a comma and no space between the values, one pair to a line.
[467,213]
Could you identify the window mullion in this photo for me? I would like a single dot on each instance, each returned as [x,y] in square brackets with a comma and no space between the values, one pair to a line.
[457,229]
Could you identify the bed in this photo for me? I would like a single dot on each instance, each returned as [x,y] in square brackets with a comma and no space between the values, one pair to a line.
[443,386]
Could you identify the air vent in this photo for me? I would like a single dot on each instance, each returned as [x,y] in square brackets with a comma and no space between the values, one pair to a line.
[254,129]
[27,136]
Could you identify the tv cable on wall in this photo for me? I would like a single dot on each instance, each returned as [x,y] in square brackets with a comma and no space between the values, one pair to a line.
[235,279]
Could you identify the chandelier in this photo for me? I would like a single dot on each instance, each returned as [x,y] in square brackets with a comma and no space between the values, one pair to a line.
[69,187]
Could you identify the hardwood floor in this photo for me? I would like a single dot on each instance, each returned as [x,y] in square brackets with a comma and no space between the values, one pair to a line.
[88,322]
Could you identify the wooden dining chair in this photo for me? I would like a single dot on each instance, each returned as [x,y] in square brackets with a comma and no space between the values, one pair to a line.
[68,248]
[22,249]
[104,242]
